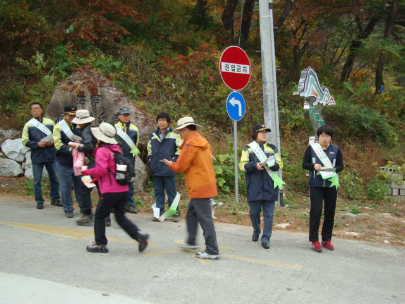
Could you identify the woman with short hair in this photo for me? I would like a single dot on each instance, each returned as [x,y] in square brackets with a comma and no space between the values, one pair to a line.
[324,161]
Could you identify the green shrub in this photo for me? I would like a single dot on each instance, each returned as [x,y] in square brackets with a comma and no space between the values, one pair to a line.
[376,190]
[352,185]
[360,122]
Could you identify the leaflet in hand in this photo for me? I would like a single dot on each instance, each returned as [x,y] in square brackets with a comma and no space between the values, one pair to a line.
[74,144]
[270,161]
[47,139]
[86,179]
[327,174]
[327,169]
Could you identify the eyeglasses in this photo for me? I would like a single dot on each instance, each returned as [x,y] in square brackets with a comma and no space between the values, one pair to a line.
[36,108]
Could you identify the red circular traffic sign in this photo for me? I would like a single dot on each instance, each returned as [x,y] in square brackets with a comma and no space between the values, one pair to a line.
[235,68]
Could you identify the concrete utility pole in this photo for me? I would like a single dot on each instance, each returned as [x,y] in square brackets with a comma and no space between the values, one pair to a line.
[270,104]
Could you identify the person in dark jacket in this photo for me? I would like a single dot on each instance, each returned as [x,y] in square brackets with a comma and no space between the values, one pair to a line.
[63,133]
[112,194]
[163,144]
[260,161]
[37,135]
[87,146]
[128,136]
[323,160]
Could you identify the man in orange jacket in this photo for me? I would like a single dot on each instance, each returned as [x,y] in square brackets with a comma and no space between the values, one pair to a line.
[195,161]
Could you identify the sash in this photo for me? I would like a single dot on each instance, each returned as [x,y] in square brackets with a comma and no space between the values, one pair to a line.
[128,140]
[331,175]
[262,157]
[66,129]
[40,126]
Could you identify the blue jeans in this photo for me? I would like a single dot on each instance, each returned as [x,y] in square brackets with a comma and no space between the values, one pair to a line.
[268,211]
[159,185]
[66,180]
[53,181]
[131,191]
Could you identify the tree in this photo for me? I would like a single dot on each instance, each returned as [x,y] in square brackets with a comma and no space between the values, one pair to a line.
[391,15]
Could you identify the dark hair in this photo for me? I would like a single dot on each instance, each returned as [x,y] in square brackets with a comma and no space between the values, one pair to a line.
[35,103]
[325,129]
[192,127]
[254,135]
[163,115]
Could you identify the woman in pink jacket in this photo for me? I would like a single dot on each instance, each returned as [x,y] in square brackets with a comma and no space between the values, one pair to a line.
[112,195]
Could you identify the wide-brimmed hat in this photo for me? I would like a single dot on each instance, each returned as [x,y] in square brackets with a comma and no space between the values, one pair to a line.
[70,109]
[184,122]
[82,117]
[259,128]
[124,110]
[105,133]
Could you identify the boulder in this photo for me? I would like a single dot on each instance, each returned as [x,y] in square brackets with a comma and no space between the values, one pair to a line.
[6,134]
[92,91]
[10,167]
[141,175]
[14,149]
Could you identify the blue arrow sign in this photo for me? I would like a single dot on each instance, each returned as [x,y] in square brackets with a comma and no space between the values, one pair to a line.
[235,106]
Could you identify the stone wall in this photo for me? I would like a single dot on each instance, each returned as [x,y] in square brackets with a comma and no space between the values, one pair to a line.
[396,191]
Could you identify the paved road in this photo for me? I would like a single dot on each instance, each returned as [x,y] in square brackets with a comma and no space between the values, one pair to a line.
[43,260]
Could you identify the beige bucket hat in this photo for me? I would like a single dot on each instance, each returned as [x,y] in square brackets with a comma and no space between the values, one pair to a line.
[82,117]
[184,122]
[105,133]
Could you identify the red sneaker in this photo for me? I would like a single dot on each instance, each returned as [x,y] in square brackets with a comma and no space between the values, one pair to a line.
[328,245]
[316,246]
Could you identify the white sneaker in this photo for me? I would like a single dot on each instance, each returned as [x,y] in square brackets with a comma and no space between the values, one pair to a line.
[204,255]
[186,246]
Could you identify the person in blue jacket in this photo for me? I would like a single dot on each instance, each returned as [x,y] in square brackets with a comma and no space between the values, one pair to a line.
[317,157]
[261,192]
[128,136]
[63,133]
[163,144]
[37,135]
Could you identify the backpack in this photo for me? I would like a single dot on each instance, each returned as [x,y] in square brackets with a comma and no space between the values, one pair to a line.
[123,175]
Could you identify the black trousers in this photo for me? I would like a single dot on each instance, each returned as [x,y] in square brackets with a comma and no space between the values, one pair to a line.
[117,202]
[318,196]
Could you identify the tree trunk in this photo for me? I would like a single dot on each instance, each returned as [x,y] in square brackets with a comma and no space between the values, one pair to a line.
[247,18]
[287,9]
[355,45]
[379,78]
[227,15]
[298,53]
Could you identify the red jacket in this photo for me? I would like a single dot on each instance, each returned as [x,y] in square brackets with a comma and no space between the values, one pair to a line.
[104,165]
[195,161]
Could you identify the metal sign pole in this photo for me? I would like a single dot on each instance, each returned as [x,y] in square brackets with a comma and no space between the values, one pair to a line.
[235,148]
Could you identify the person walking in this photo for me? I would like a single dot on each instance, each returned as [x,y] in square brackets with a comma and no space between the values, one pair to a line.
[196,162]
[163,144]
[260,161]
[63,133]
[128,136]
[324,161]
[112,195]
[37,135]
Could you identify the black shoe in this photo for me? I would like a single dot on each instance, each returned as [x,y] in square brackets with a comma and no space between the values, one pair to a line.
[86,220]
[58,204]
[40,206]
[107,221]
[255,237]
[266,245]
[69,214]
[97,248]
[143,243]
[131,209]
